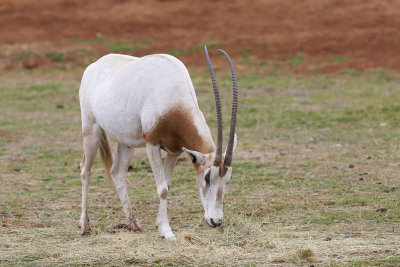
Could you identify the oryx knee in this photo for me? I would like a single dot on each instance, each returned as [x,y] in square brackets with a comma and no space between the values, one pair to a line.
[162,190]
[114,171]
[85,174]
[119,184]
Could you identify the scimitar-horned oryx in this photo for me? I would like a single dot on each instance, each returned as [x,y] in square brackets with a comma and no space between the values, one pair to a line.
[150,101]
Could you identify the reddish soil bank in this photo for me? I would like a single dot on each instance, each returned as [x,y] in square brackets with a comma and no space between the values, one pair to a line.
[364,33]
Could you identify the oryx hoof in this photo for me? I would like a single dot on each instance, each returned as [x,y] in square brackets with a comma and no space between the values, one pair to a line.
[166,232]
[85,233]
[85,228]
[170,236]
[135,226]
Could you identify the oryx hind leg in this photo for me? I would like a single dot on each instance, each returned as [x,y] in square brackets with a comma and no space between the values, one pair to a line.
[118,174]
[91,137]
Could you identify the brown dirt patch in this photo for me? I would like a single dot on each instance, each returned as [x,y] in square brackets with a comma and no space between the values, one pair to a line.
[363,31]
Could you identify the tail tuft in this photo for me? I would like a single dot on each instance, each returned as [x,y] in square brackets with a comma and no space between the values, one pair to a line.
[105,154]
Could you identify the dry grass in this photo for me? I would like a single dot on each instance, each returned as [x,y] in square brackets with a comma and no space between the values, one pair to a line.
[293,199]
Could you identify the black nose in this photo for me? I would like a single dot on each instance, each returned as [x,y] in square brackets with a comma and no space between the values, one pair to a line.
[217,223]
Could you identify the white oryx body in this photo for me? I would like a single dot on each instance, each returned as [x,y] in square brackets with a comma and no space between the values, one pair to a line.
[127,95]
[148,101]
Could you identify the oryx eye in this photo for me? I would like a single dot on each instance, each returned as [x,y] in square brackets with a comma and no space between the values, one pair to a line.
[193,158]
[207,178]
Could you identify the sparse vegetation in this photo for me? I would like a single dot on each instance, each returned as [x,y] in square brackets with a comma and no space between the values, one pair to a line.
[306,254]
[278,64]
[98,40]
[126,46]
[21,55]
[199,48]
[247,62]
[294,199]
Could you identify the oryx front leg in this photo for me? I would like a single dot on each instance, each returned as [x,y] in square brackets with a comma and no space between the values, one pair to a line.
[118,173]
[156,163]
[169,165]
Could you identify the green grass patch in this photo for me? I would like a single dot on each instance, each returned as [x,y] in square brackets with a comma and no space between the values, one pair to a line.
[352,73]
[55,56]
[338,59]
[297,60]
[246,52]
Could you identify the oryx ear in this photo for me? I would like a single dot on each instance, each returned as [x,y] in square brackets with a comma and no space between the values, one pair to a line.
[234,144]
[196,157]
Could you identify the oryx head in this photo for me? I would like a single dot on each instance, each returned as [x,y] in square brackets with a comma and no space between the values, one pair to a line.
[214,170]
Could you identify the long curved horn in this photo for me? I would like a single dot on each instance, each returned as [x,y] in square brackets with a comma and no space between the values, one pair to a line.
[229,149]
[218,156]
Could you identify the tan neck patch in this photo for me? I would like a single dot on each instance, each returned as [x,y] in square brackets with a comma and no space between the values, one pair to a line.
[176,129]
[199,168]
[208,161]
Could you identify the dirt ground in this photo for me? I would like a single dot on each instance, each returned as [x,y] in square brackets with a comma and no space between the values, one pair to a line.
[364,34]
[315,177]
